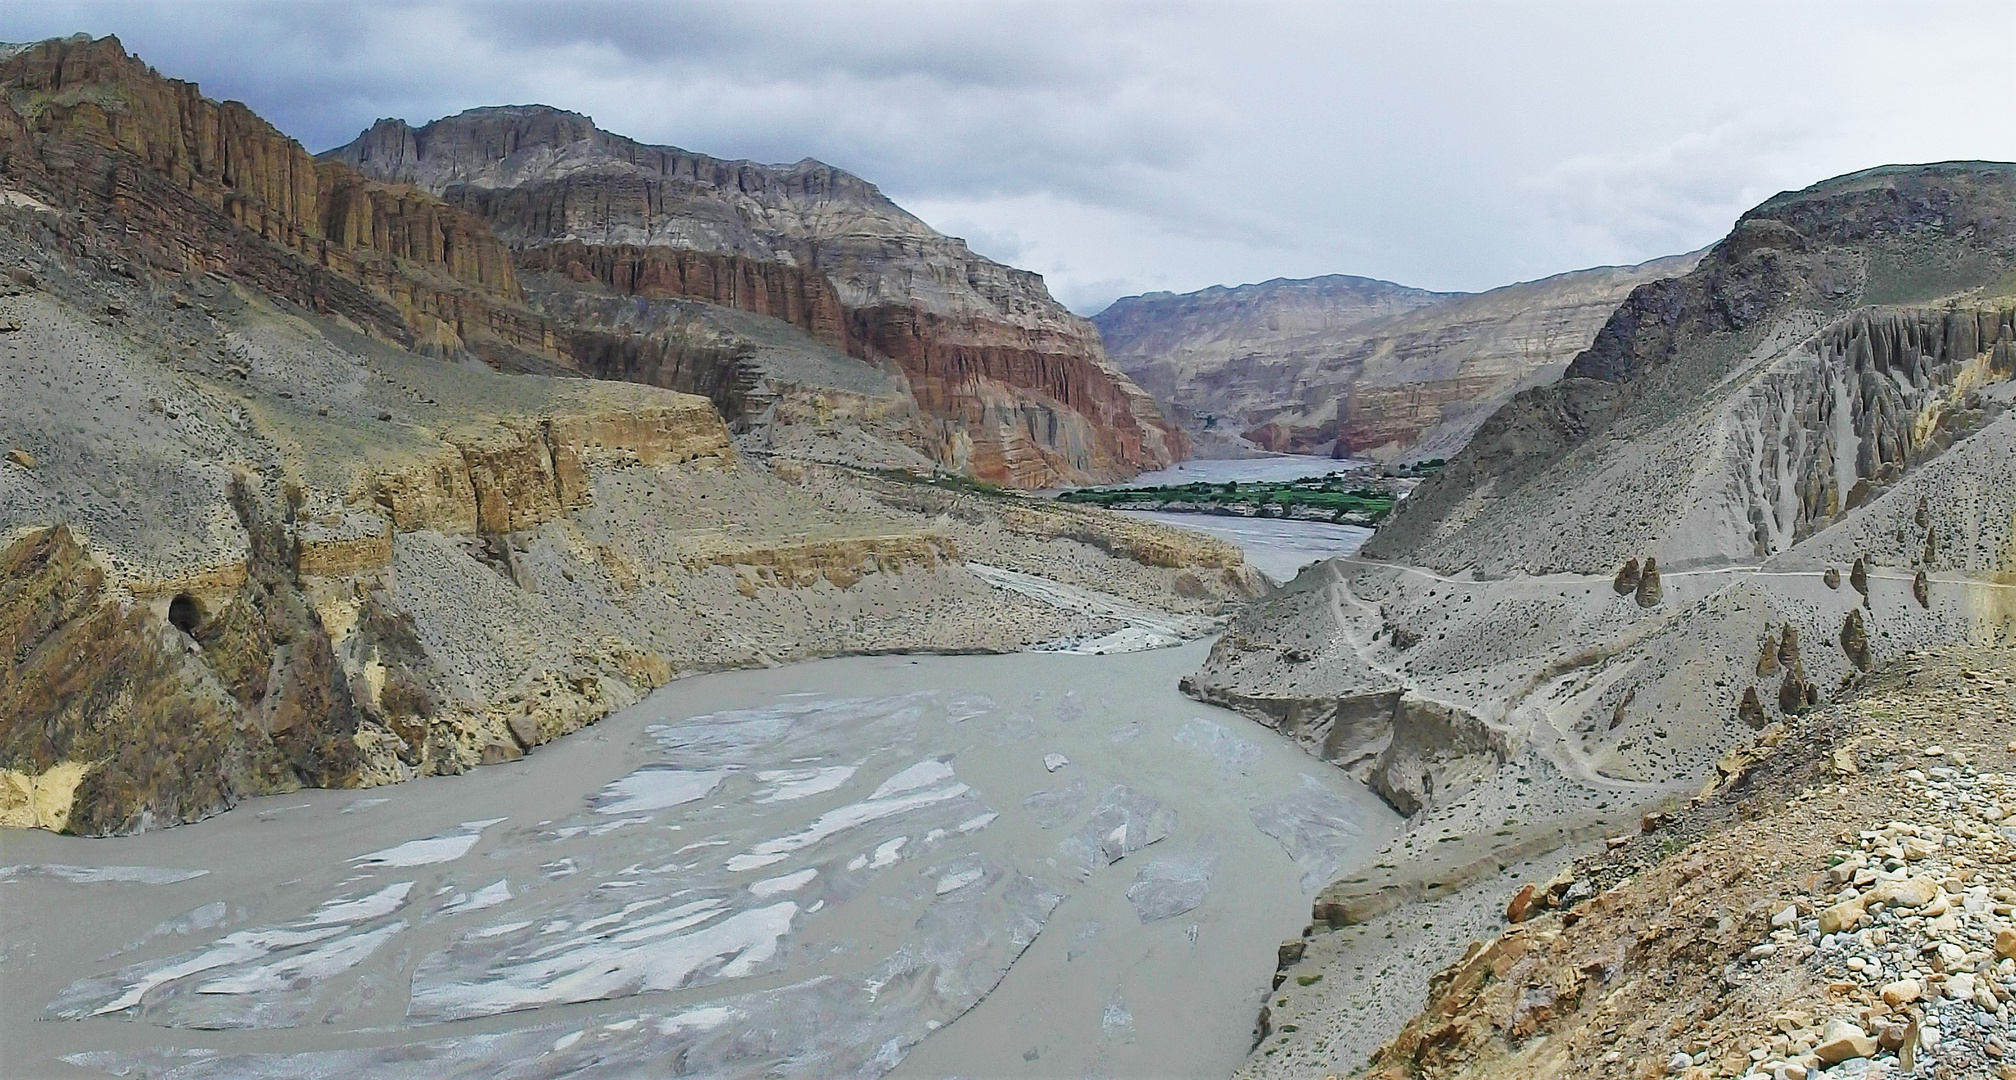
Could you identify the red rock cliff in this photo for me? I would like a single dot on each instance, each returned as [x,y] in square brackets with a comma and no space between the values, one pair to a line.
[1014,388]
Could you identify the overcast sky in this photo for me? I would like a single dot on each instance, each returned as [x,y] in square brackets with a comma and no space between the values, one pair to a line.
[1119,148]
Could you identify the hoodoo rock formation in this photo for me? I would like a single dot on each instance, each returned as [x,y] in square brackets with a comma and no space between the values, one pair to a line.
[1355,367]
[1007,385]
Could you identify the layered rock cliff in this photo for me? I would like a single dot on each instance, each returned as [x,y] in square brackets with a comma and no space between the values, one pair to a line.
[1356,367]
[197,179]
[1010,387]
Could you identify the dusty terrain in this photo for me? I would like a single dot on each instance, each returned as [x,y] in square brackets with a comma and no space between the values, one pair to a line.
[1840,894]
[1792,466]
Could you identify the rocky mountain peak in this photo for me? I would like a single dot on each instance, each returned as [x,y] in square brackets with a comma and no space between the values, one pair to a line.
[514,146]
[474,146]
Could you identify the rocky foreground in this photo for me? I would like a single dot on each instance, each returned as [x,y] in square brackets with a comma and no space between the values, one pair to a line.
[1840,901]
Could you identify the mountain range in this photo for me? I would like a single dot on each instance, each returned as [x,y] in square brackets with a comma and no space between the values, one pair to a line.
[1355,367]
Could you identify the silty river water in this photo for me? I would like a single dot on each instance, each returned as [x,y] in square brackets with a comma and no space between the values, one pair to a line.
[1026,865]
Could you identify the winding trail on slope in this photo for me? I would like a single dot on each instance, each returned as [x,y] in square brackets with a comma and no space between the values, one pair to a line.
[1537,723]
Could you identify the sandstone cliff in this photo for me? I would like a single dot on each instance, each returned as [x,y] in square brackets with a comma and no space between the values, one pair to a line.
[1010,387]
[1355,367]
[196,180]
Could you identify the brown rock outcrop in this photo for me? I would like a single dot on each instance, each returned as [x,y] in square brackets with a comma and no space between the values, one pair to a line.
[96,126]
[1751,710]
[1767,658]
[165,733]
[1013,388]
[1792,692]
[1855,639]
[515,474]
[1651,592]
[1626,581]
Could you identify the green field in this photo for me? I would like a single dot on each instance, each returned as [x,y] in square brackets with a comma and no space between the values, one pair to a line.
[1337,500]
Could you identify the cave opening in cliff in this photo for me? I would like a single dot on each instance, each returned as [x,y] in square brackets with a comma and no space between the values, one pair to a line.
[185,614]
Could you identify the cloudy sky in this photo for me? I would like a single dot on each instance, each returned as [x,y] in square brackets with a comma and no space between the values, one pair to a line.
[1119,148]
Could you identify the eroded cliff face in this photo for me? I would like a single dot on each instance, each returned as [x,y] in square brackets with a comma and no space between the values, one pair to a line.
[1010,386]
[99,128]
[1836,338]
[1762,481]
[1356,367]
[790,294]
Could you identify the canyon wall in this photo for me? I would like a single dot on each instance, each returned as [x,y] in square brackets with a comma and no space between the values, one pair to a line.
[1010,386]
[98,126]
[1355,367]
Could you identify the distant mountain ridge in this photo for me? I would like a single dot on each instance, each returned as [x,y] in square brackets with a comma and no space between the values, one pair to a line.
[1357,366]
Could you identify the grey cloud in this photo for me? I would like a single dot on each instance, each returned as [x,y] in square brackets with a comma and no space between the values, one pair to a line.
[1124,147]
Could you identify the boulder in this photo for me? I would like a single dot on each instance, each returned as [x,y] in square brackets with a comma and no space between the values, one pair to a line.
[1855,639]
[1909,892]
[1626,581]
[1841,916]
[1902,992]
[1842,1040]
